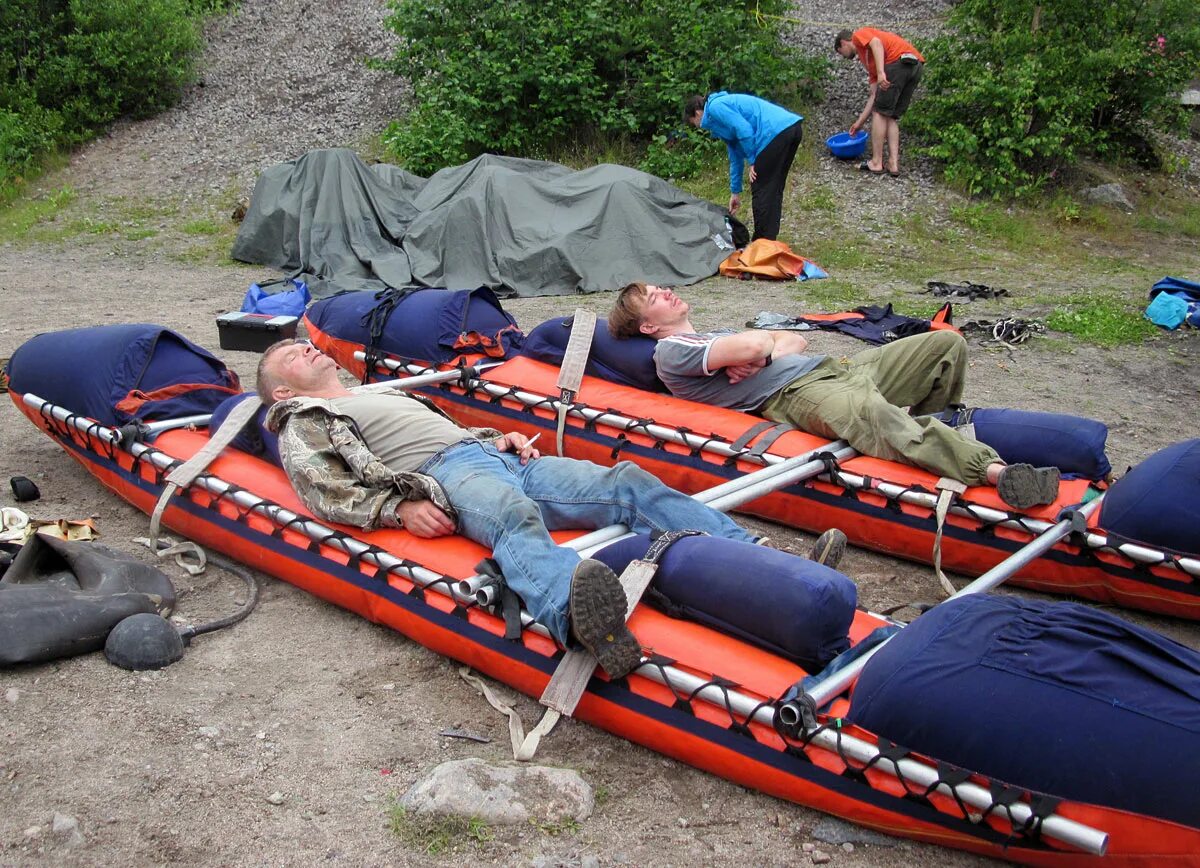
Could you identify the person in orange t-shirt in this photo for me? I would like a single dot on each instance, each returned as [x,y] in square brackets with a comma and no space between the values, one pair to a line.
[894,68]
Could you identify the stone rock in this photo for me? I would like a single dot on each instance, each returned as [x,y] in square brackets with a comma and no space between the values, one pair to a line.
[501,793]
[67,829]
[820,858]
[276,798]
[208,731]
[12,695]
[589,862]
[1110,195]
[831,831]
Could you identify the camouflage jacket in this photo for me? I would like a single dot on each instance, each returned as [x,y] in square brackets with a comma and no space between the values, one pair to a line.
[337,476]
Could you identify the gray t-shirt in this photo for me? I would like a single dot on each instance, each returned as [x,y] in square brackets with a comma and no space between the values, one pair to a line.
[401,431]
[682,364]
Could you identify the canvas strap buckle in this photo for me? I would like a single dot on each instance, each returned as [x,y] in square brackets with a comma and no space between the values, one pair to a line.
[570,373]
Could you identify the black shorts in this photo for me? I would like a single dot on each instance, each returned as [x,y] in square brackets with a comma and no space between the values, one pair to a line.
[903,76]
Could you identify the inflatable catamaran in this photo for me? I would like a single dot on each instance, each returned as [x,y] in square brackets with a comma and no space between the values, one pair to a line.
[1105,769]
[1141,551]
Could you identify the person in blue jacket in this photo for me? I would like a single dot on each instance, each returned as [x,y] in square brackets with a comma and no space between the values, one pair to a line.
[758,133]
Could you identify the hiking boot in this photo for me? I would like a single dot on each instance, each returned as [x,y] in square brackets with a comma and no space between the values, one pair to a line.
[1023,485]
[829,548]
[598,605]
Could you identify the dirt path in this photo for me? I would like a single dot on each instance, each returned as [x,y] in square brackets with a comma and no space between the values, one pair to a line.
[334,713]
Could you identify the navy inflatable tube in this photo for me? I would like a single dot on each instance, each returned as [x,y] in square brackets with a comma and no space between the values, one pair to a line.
[787,604]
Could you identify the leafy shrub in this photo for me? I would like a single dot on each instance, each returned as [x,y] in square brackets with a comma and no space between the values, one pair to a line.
[69,67]
[528,76]
[681,153]
[1021,88]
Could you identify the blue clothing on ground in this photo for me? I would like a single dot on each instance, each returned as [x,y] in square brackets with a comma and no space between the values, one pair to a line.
[746,124]
[510,507]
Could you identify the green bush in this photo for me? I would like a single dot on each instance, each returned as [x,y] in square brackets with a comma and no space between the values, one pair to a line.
[529,76]
[1021,88]
[681,154]
[70,67]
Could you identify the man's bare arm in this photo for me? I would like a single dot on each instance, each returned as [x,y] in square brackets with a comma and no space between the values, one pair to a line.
[739,349]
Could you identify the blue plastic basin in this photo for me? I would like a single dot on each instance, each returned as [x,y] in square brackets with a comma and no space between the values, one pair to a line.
[845,146]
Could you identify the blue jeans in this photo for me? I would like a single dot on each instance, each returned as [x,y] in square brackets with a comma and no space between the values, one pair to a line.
[511,508]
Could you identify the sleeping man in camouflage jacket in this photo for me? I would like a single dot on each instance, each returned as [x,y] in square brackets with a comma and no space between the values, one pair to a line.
[376,458]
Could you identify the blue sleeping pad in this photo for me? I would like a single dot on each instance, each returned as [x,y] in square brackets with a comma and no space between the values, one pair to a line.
[254,437]
[1056,698]
[627,362]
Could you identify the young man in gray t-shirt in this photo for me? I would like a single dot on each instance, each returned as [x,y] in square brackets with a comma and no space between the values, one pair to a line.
[859,399]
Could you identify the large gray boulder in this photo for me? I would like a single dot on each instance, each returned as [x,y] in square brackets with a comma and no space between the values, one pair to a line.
[1109,195]
[501,793]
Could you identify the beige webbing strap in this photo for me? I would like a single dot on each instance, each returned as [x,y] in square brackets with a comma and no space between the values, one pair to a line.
[523,746]
[948,489]
[570,372]
[185,474]
[570,679]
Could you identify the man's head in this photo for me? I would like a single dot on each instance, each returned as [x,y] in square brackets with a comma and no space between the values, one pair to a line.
[648,310]
[843,43]
[693,110]
[293,369]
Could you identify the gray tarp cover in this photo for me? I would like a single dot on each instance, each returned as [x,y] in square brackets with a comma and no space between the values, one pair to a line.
[521,227]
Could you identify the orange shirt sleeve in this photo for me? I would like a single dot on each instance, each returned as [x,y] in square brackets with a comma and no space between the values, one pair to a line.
[894,47]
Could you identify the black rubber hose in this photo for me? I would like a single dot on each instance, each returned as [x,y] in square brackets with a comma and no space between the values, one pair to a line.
[247,607]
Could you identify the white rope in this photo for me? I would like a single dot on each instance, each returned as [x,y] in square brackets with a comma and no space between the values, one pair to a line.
[523,746]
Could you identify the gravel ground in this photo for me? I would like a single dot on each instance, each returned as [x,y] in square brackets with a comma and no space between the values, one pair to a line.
[331,712]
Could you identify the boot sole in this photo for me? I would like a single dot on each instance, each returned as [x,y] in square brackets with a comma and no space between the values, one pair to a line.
[1023,485]
[598,617]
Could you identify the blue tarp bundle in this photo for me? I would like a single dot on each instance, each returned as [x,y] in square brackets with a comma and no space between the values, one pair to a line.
[430,325]
[1052,697]
[118,373]
[1158,502]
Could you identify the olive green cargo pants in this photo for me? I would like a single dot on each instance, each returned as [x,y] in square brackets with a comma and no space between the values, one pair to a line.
[860,400]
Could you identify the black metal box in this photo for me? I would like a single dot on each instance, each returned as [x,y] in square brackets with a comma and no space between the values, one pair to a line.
[253,332]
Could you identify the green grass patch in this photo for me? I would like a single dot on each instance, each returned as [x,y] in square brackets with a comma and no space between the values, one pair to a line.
[436,835]
[22,215]
[554,828]
[1104,321]
[831,294]
[819,199]
[840,250]
[200,227]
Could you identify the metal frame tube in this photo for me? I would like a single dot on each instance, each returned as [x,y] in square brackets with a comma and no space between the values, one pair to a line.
[837,683]
[1067,831]
[1139,553]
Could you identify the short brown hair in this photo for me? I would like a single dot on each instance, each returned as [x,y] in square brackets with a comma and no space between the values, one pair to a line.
[625,319]
[267,380]
[694,103]
[843,36]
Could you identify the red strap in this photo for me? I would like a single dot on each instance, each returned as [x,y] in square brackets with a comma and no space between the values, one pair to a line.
[135,400]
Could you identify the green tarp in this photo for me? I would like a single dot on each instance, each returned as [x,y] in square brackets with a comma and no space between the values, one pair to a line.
[520,227]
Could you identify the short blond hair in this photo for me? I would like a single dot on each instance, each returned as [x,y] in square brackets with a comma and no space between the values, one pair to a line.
[625,318]
[267,379]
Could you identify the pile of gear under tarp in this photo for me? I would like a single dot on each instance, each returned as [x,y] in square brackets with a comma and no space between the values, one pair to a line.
[519,227]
